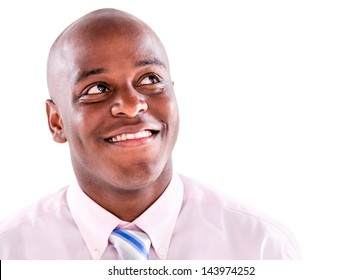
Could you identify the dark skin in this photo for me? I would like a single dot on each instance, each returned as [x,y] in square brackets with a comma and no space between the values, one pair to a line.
[112,100]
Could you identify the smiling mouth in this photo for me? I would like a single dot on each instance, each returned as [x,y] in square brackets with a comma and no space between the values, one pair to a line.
[131,136]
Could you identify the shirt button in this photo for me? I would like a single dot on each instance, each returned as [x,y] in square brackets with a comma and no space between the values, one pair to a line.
[95,253]
[161,251]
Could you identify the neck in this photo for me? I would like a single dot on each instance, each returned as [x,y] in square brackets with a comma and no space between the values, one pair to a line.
[127,204]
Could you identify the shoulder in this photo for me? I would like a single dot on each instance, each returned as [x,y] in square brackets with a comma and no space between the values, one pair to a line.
[42,230]
[45,206]
[238,223]
[204,194]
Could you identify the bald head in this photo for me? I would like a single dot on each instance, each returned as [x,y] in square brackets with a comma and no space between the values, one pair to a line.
[96,28]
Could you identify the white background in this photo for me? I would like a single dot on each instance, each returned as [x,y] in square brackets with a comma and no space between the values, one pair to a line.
[269,95]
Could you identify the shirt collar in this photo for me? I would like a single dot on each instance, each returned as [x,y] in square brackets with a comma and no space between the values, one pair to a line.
[159,220]
[96,224]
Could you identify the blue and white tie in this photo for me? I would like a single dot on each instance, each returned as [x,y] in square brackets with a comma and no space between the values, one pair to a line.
[130,244]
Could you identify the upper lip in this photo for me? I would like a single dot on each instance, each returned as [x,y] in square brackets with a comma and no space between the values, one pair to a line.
[132,129]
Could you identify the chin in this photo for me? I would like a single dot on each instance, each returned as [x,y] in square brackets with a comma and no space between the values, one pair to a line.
[135,178]
[145,175]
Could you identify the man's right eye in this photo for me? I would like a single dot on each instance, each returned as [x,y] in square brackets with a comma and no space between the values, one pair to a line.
[97,89]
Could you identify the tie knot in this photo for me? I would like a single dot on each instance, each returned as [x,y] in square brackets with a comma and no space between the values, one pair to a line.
[130,244]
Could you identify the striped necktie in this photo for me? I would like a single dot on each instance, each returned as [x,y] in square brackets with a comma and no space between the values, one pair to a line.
[130,244]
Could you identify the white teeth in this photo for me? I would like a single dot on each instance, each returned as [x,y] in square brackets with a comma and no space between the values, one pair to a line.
[130,136]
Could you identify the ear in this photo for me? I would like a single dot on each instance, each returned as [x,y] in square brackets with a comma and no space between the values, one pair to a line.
[55,122]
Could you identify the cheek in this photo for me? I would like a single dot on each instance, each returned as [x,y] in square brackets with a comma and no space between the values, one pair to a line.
[174,119]
[174,112]
[170,117]
[165,109]
[79,125]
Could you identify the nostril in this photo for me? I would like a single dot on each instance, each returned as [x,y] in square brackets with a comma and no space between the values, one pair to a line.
[129,109]
[143,106]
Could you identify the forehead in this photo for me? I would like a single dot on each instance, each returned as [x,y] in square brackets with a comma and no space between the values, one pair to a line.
[113,46]
[115,38]
[102,41]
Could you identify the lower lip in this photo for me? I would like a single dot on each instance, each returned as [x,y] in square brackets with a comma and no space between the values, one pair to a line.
[134,143]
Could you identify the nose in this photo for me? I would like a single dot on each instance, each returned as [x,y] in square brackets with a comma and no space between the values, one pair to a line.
[128,105]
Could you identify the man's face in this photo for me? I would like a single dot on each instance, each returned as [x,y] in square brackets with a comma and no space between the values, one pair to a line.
[116,107]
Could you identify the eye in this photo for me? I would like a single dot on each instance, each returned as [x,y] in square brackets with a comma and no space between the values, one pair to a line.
[149,80]
[97,89]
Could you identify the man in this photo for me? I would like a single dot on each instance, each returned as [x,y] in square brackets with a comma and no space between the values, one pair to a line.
[112,100]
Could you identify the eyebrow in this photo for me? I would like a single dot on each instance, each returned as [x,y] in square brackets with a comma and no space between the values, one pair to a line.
[149,61]
[88,73]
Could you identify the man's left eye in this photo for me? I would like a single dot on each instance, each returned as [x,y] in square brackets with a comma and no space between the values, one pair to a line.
[149,80]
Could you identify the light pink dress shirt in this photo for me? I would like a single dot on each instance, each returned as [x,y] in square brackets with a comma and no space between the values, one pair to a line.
[188,221]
